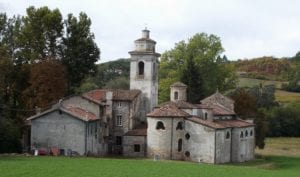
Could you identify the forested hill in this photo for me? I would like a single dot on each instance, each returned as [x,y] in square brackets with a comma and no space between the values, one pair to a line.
[265,67]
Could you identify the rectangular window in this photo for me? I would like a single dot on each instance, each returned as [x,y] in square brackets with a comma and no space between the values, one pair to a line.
[118,140]
[137,148]
[119,121]
[119,104]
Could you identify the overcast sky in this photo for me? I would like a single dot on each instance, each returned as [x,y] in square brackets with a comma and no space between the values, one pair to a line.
[247,28]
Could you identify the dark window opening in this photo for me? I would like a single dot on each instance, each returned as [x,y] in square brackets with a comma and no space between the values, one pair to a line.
[179,145]
[175,95]
[187,153]
[205,116]
[137,148]
[251,133]
[227,135]
[179,126]
[160,126]
[242,135]
[141,68]
[246,134]
[118,140]
[187,136]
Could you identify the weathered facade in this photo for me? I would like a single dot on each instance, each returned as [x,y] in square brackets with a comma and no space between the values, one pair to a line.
[129,122]
[208,132]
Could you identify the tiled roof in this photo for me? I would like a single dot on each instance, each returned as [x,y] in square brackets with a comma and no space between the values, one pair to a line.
[168,111]
[178,84]
[80,113]
[146,39]
[234,123]
[203,106]
[219,110]
[221,124]
[216,96]
[99,95]
[138,131]
[179,104]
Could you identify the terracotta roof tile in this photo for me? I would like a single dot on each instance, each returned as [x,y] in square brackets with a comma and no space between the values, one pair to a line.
[234,123]
[99,95]
[138,131]
[80,113]
[221,124]
[219,110]
[168,111]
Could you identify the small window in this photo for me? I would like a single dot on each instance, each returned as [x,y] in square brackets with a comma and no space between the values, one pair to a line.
[160,125]
[251,133]
[176,95]
[141,68]
[119,104]
[119,121]
[246,134]
[205,116]
[137,148]
[179,126]
[227,135]
[180,145]
[242,135]
[187,136]
[187,153]
[118,140]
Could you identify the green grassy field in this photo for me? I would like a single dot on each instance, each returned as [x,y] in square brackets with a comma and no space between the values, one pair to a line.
[281,158]
[280,95]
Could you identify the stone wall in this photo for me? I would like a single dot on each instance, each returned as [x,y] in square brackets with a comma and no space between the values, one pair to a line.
[57,129]
[223,146]
[242,147]
[200,147]
[129,144]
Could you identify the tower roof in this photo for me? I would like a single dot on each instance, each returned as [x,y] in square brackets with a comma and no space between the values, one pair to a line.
[178,84]
[168,111]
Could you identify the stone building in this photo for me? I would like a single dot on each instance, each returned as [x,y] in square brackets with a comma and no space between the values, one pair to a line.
[130,123]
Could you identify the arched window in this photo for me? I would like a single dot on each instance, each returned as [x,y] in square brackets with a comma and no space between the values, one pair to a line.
[205,116]
[251,133]
[227,135]
[179,126]
[242,134]
[160,125]
[176,95]
[141,68]
[179,145]
[246,134]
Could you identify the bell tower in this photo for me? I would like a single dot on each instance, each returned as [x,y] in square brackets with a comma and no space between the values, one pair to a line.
[144,70]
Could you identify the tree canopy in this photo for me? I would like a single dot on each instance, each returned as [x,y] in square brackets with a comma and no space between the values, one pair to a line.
[210,69]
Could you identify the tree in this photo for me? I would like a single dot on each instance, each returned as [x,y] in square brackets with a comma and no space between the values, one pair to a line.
[118,83]
[47,84]
[191,77]
[204,50]
[261,128]
[80,52]
[41,34]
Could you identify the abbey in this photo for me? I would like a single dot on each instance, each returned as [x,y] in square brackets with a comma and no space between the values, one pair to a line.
[132,124]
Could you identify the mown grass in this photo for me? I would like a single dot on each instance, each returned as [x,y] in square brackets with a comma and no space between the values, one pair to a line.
[289,147]
[11,166]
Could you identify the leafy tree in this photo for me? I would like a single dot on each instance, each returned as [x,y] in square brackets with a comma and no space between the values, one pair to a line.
[205,52]
[265,95]
[118,83]
[261,128]
[47,84]
[80,52]
[41,34]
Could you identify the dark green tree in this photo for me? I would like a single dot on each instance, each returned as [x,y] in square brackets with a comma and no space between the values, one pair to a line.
[191,77]
[80,52]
